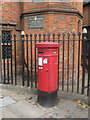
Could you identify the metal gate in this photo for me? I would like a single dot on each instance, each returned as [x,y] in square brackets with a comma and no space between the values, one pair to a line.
[19,60]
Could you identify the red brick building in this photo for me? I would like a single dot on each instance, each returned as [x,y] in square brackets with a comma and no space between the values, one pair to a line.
[43,17]
[39,17]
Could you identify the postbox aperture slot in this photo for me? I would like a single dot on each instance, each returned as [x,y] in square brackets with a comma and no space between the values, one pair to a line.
[40,52]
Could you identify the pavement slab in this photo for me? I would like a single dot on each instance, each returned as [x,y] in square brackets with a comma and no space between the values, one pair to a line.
[6,113]
[17,96]
[6,101]
[23,104]
[24,109]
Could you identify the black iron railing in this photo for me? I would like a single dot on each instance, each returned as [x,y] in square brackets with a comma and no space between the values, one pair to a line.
[19,66]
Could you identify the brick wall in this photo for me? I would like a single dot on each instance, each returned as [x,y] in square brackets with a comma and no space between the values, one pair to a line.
[78,5]
[86,15]
[62,17]
[55,16]
[55,23]
[11,11]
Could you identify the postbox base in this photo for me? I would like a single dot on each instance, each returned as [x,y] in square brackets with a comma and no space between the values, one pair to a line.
[47,99]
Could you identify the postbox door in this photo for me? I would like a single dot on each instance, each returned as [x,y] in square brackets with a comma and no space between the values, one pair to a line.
[43,73]
[53,72]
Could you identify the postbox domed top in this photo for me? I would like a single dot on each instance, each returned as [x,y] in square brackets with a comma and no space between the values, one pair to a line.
[47,44]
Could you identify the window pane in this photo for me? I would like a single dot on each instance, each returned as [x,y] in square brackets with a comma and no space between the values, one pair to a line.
[6,36]
[6,51]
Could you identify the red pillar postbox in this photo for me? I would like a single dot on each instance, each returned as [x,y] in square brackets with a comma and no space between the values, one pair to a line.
[47,73]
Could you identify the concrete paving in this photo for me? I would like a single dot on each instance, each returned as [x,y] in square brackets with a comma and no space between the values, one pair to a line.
[23,104]
[5,101]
